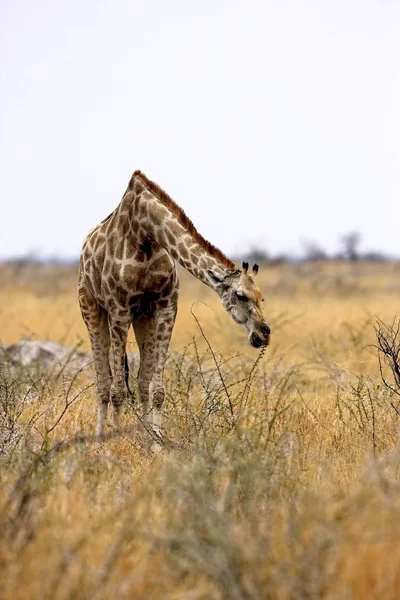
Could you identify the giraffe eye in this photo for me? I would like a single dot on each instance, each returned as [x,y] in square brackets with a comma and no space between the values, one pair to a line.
[241,297]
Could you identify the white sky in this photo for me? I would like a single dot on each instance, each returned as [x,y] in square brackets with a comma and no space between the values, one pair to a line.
[269,122]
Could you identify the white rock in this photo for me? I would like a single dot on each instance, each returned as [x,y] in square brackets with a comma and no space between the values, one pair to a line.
[43,355]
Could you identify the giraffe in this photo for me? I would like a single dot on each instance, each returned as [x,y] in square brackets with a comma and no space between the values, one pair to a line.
[127,276]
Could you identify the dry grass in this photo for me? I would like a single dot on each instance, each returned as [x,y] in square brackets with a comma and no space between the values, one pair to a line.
[280,475]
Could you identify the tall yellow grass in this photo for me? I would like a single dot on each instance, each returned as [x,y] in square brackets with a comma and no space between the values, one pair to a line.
[279,477]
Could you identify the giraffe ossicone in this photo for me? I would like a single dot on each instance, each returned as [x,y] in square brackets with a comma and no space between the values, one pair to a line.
[128,276]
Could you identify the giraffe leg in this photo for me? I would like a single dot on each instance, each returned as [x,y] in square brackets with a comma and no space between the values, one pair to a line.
[153,336]
[119,335]
[143,328]
[95,318]
[164,324]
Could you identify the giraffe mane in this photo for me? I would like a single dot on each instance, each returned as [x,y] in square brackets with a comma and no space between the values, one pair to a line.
[182,218]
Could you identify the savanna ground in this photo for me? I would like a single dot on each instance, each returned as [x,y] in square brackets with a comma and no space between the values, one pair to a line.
[279,477]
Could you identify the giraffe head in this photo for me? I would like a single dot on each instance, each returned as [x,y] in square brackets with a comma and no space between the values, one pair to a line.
[242,299]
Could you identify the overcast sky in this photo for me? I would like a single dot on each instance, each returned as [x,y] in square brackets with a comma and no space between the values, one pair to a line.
[270,122]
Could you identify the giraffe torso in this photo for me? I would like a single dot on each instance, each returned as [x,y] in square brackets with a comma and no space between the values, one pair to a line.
[127,273]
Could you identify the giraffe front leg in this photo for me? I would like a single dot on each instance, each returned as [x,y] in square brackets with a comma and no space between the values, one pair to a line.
[96,322]
[118,391]
[103,384]
[145,338]
[153,336]
[164,324]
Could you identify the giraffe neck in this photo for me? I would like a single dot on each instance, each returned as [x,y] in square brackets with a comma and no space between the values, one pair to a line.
[164,222]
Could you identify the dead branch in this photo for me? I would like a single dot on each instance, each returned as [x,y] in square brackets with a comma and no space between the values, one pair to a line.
[388,347]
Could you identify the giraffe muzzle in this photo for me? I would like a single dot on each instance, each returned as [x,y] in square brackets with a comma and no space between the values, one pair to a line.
[255,340]
[262,338]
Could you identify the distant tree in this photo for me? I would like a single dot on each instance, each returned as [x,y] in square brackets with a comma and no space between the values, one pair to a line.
[313,252]
[257,255]
[29,259]
[280,259]
[350,242]
[375,256]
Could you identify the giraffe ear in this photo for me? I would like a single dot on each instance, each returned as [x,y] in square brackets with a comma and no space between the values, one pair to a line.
[214,278]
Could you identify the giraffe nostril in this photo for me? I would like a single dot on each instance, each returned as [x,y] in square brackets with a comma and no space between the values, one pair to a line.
[265,330]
